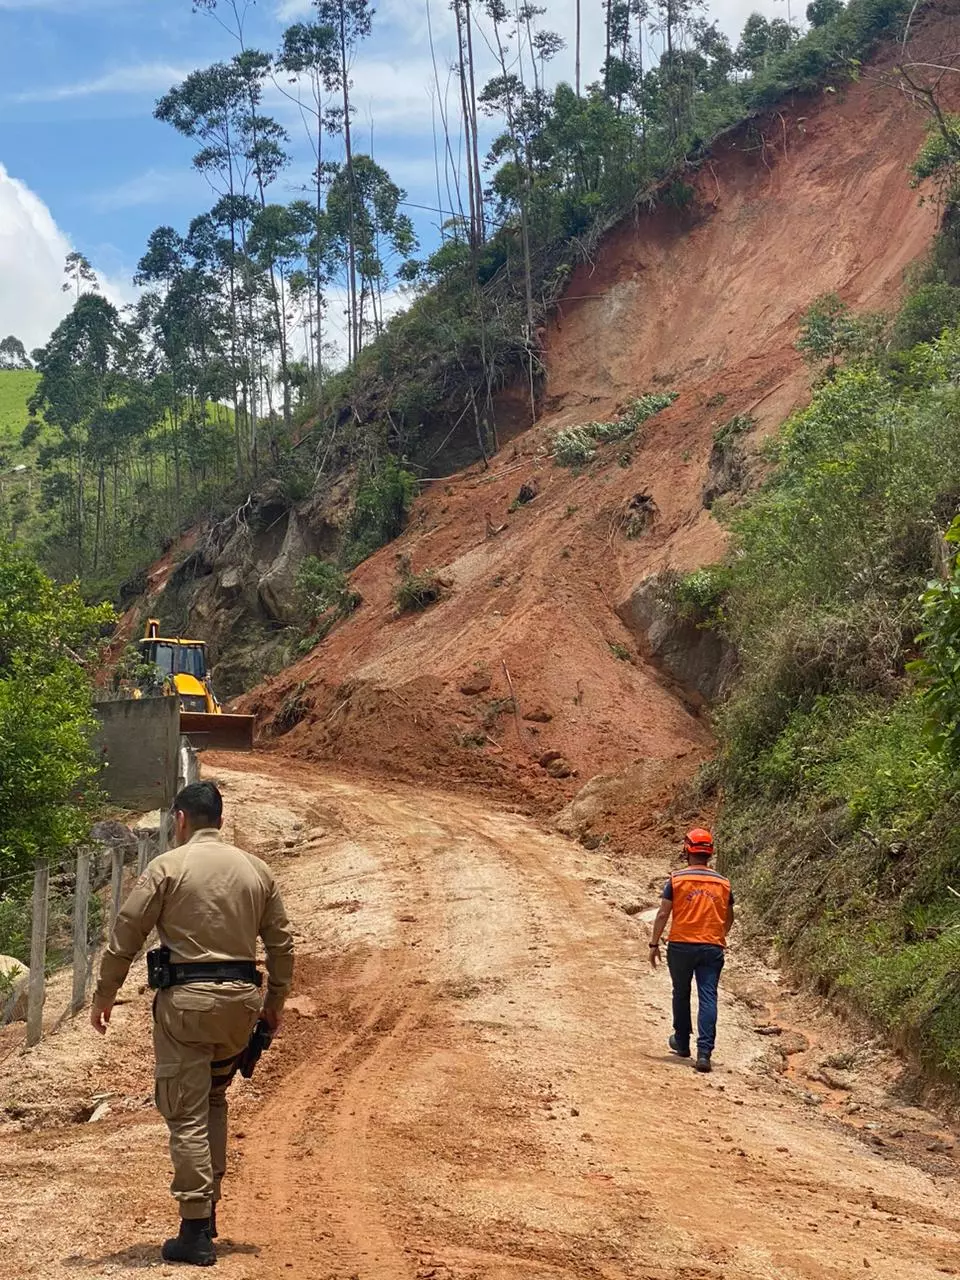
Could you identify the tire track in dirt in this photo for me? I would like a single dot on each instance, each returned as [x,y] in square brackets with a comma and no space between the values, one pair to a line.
[472,1085]
[565,1020]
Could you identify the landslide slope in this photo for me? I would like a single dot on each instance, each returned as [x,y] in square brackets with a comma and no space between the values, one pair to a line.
[704,301]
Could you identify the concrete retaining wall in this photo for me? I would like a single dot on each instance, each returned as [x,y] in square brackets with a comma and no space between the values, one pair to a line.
[139,743]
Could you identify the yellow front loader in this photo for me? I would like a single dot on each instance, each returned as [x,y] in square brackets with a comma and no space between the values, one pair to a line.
[176,667]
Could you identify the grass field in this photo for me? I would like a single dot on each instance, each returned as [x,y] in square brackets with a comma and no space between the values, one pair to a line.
[16,388]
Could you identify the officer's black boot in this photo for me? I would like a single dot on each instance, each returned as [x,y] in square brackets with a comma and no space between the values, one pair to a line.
[703,1063]
[213,1221]
[194,1244]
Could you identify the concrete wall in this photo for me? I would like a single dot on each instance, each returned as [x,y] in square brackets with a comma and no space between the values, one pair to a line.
[139,743]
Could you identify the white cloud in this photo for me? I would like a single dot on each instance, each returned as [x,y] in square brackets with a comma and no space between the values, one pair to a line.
[288,10]
[32,251]
[147,77]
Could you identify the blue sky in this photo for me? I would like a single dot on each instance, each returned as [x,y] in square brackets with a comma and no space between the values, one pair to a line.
[83,163]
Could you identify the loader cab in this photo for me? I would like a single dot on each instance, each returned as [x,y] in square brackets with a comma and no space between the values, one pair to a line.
[177,657]
[180,665]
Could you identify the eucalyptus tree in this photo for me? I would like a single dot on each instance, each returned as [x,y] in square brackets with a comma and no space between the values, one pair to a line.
[81,373]
[352,22]
[309,56]
[80,275]
[363,211]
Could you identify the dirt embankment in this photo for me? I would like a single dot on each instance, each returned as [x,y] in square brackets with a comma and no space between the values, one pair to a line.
[705,301]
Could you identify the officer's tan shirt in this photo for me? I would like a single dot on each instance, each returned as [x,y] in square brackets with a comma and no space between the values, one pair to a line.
[208,901]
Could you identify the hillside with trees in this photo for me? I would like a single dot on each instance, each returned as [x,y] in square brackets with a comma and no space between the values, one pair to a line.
[222,375]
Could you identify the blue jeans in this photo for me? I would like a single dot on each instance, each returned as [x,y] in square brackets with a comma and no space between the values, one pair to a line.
[686,961]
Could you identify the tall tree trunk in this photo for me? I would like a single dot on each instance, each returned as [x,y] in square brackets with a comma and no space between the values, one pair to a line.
[577,52]
[234,324]
[474,129]
[608,5]
[318,265]
[465,110]
[81,477]
[355,329]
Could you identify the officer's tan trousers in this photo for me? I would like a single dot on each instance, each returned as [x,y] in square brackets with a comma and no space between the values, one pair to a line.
[198,1030]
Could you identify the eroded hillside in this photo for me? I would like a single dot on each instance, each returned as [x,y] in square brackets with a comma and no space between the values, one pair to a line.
[555,591]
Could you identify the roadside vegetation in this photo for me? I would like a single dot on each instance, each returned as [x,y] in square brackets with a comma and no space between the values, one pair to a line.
[48,644]
[840,740]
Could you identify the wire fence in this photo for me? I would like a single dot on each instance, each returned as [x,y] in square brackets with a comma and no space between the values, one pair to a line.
[93,891]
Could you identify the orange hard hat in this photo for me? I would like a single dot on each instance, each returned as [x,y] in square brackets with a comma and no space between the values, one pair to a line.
[699,840]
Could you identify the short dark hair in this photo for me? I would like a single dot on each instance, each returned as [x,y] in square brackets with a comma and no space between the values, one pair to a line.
[201,802]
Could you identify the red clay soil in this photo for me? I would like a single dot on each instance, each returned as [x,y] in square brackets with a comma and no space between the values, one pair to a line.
[813,199]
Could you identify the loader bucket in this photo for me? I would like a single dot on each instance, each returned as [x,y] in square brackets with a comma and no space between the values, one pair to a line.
[217,733]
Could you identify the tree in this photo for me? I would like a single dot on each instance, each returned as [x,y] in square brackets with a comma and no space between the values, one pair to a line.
[13,354]
[363,210]
[761,41]
[80,274]
[46,760]
[468,99]
[241,149]
[352,21]
[829,330]
[820,12]
[80,384]
[309,51]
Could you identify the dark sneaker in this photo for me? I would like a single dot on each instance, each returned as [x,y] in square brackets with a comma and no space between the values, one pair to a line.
[675,1047]
[703,1063]
[193,1246]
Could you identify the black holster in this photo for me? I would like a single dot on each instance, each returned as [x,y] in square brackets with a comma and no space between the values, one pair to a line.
[159,969]
[261,1039]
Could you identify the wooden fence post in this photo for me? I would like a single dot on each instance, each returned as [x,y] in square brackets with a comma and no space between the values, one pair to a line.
[81,904]
[143,852]
[38,955]
[116,883]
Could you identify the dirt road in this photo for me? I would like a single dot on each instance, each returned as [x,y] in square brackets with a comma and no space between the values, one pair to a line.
[473,1083]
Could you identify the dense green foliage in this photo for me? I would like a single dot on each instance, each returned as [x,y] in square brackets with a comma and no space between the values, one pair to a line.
[575,446]
[841,807]
[568,164]
[47,634]
[324,596]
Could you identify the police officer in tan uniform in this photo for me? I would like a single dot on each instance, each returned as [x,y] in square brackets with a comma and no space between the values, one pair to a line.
[209,903]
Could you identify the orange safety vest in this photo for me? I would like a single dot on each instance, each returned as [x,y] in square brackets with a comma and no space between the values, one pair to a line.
[701,899]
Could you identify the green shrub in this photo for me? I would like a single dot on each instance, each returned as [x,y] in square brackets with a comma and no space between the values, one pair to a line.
[830,332]
[47,768]
[925,314]
[699,596]
[417,591]
[939,665]
[738,426]
[15,926]
[380,510]
[940,153]
[321,585]
[576,446]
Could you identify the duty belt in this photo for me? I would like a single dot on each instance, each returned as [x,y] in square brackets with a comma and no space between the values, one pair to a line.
[162,972]
[215,971]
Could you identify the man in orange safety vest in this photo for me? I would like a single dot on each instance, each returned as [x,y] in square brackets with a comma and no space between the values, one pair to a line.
[700,900]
